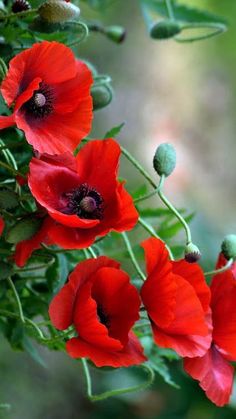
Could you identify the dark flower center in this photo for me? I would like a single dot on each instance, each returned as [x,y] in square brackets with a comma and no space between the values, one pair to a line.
[41,103]
[103,317]
[85,202]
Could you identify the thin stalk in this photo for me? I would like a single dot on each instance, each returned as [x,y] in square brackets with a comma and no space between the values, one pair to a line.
[151,231]
[17,298]
[220,270]
[138,167]
[144,197]
[92,253]
[84,35]
[132,256]
[20,14]
[170,10]
[11,169]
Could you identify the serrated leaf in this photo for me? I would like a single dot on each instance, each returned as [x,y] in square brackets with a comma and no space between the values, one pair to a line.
[5,270]
[8,199]
[57,273]
[23,229]
[113,132]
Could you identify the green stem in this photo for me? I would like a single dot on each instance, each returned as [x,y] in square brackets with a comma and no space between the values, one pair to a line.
[170,10]
[174,210]
[17,298]
[11,169]
[144,197]
[17,15]
[151,231]
[132,256]
[84,35]
[92,253]
[219,28]
[138,167]
[220,270]
[110,393]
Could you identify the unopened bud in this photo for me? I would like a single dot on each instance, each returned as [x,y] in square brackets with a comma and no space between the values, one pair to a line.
[228,247]
[164,29]
[115,33]
[165,159]
[56,11]
[102,96]
[192,253]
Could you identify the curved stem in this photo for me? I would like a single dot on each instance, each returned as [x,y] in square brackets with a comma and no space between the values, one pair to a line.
[84,35]
[17,298]
[92,253]
[170,10]
[20,14]
[132,256]
[110,393]
[174,210]
[151,231]
[11,169]
[219,28]
[220,270]
[144,197]
[138,167]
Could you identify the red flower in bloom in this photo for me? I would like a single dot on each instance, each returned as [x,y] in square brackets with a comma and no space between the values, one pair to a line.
[82,194]
[50,91]
[176,298]
[213,370]
[103,306]
[2,224]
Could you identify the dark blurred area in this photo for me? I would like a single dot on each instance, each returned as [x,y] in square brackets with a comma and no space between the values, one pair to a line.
[165,92]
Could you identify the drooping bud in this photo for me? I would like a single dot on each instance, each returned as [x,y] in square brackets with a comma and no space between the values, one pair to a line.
[164,29]
[102,96]
[115,33]
[3,70]
[228,247]
[20,6]
[192,253]
[57,11]
[164,160]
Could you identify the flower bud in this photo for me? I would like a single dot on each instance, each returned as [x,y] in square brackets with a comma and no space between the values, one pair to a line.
[164,29]
[115,33]
[192,253]
[228,247]
[3,70]
[20,6]
[56,11]
[102,96]
[165,159]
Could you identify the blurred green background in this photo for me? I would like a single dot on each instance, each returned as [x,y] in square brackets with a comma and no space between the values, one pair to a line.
[164,91]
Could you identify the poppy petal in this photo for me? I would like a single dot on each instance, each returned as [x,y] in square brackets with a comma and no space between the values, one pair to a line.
[2,224]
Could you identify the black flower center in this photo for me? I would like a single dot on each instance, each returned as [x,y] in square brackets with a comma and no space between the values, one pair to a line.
[85,202]
[41,103]
[103,317]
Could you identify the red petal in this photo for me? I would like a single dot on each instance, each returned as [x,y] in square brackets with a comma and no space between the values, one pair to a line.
[25,248]
[7,121]
[128,216]
[131,354]
[194,275]
[159,290]
[28,93]
[215,375]
[2,224]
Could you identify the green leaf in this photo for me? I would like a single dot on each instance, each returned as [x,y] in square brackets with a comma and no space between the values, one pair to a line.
[140,191]
[32,351]
[168,231]
[23,229]
[113,132]
[8,199]
[5,270]
[57,273]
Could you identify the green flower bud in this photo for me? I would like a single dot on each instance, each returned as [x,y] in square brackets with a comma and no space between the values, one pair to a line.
[102,96]
[3,70]
[164,29]
[228,247]
[165,159]
[56,11]
[115,33]
[192,253]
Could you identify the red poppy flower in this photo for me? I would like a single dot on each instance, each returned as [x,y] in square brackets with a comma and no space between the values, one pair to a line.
[82,194]
[103,306]
[176,298]
[2,224]
[50,91]
[213,370]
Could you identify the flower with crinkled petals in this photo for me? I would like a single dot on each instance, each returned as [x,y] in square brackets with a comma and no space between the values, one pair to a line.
[82,194]
[103,305]
[50,91]
[177,299]
[214,371]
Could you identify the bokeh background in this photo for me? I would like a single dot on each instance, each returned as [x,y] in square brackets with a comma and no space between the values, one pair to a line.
[164,91]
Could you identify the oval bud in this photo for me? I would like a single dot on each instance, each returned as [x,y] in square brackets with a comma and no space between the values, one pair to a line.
[164,160]
[165,29]
[228,247]
[56,11]
[115,33]
[102,96]
[3,70]
[192,253]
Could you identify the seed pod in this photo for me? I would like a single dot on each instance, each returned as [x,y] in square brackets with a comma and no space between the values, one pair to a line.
[115,33]
[228,247]
[192,253]
[164,159]
[164,29]
[57,11]
[102,96]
